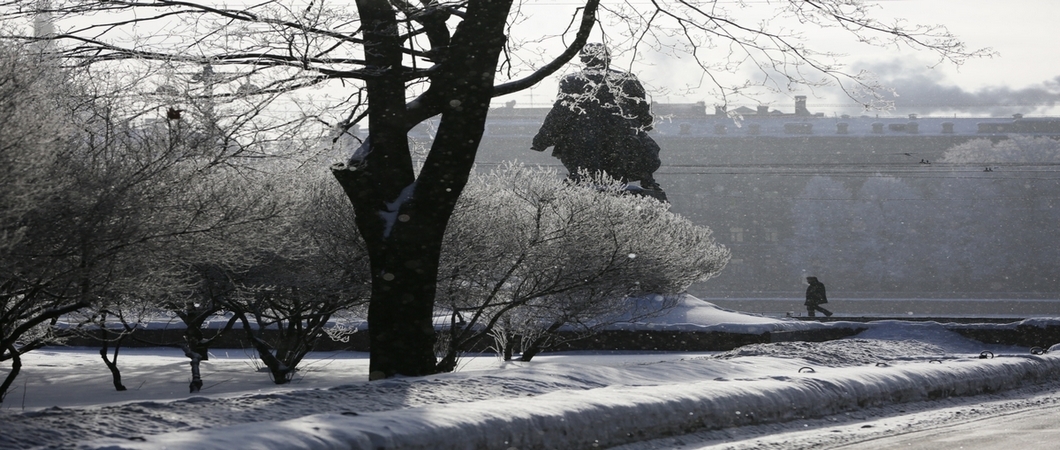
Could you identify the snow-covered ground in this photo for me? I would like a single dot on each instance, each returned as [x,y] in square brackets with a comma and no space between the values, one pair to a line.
[889,379]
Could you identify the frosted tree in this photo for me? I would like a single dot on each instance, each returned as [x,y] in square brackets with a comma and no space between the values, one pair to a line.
[117,202]
[34,131]
[310,273]
[528,255]
[1014,150]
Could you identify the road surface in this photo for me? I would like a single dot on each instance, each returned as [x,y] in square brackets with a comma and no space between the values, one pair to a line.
[1028,429]
[1025,419]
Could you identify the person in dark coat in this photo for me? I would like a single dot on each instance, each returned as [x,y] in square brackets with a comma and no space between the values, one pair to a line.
[815,297]
[600,121]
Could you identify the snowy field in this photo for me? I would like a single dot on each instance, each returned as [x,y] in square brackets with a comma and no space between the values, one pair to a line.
[891,379]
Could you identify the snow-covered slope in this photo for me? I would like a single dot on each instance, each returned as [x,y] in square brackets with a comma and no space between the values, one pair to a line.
[574,400]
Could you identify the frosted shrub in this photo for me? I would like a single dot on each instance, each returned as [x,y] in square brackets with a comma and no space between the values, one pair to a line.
[528,255]
[1016,149]
[33,133]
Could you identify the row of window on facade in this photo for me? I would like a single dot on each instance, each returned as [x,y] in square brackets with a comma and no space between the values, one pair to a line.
[737,234]
[803,128]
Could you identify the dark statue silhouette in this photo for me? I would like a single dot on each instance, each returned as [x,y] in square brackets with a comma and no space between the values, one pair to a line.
[599,123]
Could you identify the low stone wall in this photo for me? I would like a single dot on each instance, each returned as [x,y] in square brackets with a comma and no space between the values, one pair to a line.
[233,339]
[635,340]
[1021,335]
[818,335]
[629,340]
[649,340]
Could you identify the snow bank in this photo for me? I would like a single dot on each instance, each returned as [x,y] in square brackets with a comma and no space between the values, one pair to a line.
[620,414]
[693,314]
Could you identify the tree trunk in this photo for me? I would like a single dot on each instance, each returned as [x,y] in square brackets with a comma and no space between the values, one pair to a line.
[115,374]
[195,349]
[196,346]
[196,375]
[509,347]
[456,333]
[281,373]
[403,218]
[534,348]
[401,313]
[196,352]
[16,367]
[540,342]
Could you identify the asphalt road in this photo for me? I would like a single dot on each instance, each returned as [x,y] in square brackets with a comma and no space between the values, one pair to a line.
[1021,430]
[1023,419]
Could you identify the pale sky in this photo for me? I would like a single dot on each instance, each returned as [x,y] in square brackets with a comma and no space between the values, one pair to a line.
[1024,71]
[1024,76]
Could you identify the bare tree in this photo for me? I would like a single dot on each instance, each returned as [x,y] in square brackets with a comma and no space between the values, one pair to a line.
[410,61]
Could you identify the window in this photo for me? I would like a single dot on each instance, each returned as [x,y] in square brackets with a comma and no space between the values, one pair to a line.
[736,234]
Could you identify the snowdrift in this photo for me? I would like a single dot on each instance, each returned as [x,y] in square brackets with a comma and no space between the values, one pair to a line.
[620,414]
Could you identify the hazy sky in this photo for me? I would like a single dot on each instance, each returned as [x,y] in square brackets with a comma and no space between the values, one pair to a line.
[1023,77]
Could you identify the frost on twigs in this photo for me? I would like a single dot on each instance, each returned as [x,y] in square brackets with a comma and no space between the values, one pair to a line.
[528,254]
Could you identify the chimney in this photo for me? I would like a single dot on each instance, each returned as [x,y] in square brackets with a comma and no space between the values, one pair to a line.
[800,106]
[719,111]
[763,110]
[43,25]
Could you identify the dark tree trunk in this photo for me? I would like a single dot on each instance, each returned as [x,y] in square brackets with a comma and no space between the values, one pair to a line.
[400,315]
[403,218]
[509,347]
[16,367]
[196,350]
[456,334]
[112,364]
[196,376]
[281,373]
[540,343]
[534,348]
[448,362]
[196,346]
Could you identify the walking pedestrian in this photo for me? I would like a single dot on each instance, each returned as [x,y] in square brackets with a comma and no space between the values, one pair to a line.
[815,297]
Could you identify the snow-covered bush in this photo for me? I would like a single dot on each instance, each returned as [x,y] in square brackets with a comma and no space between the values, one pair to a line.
[307,268]
[107,204]
[528,255]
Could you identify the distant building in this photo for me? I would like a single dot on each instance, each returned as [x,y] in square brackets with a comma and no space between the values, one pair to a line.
[739,172]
